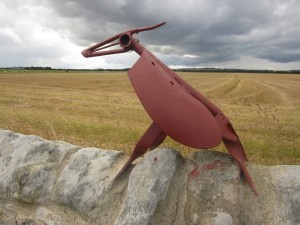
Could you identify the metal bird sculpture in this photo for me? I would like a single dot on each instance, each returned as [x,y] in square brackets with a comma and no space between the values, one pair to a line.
[176,108]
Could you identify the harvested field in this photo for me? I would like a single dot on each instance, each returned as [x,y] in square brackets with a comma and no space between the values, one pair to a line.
[102,110]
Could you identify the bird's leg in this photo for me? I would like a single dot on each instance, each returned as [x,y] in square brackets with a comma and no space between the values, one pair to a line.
[160,138]
[234,146]
[236,149]
[153,137]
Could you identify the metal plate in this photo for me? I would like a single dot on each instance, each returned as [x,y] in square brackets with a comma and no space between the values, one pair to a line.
[181,116]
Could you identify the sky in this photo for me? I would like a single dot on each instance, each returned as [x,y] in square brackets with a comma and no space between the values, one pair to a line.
[246,34]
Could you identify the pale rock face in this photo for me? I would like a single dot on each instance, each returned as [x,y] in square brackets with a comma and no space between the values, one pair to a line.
[278,202]
[214,179]
[85,178]
[286,180]
[148,185]
[56,183]
[28,166]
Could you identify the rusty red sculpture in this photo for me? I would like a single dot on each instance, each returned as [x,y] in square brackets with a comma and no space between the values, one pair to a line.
[176,108]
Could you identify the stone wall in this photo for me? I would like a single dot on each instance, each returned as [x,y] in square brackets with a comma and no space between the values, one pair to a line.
[53,182]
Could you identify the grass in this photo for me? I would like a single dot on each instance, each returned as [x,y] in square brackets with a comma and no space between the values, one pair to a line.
[101,109]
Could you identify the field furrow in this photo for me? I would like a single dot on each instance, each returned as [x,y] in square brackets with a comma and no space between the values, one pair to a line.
[102,110]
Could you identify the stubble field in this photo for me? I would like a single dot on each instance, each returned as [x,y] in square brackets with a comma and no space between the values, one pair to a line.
[102,110]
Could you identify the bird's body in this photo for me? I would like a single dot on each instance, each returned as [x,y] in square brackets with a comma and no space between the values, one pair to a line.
[176,108]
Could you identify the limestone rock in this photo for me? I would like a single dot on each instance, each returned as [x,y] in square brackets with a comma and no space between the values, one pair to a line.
[287,183]
[7,215]
[213,189]
[279,196]
[50,182]
[148,185]
[85,179]
[28,166]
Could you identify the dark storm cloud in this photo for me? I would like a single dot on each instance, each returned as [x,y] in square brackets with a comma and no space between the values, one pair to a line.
[212,31]
[197,33]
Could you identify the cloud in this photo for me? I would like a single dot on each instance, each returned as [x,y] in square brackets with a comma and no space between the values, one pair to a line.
[197,33]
